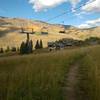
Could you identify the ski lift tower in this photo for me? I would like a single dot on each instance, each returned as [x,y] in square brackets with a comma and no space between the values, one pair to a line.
[63,30]
[27,32]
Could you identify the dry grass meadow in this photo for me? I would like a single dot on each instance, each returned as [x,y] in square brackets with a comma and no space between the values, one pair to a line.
[41,76]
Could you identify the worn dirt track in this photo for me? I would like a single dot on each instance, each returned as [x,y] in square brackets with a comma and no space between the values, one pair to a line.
[71,80]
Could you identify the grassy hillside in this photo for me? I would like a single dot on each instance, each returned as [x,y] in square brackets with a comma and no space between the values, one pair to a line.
[10,31]
[41,76]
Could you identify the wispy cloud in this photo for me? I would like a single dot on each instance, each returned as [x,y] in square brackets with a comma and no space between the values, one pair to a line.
[74,3]
[92,6]
[90,23]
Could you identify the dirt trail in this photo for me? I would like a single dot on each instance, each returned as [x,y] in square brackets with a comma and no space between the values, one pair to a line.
[71,83]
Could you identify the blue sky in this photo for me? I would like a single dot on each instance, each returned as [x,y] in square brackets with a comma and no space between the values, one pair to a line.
[86,16]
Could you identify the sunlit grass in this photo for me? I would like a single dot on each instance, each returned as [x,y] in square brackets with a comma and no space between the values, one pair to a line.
[89,75]
[35,77]
[40,76]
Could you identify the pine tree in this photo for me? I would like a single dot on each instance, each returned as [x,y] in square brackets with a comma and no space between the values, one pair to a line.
[1,50]
[41,44]
[27,47]
[31,46]
[37,46]
[22,48]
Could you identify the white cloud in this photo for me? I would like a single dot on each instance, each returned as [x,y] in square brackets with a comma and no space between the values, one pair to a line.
[74,2]
[92,6]
[39,5]
[94,22]
[84,26]
[90,23]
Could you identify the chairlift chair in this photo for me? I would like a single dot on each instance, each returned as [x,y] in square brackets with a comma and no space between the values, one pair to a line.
[63,30]
[44,31]
[23,30]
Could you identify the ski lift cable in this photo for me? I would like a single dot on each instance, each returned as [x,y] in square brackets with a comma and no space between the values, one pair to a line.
[69,11]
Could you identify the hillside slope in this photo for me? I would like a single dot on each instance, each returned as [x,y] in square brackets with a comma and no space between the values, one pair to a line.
[10,29]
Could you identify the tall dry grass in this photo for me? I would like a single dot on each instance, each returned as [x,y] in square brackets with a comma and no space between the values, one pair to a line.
[89,75]
[35,77]
[40,76]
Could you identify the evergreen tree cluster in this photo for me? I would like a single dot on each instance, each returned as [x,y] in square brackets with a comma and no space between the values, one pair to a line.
[26,47]
[39,44]
[8,49]
[1,50]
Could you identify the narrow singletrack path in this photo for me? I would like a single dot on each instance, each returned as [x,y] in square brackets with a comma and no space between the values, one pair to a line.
[71,79]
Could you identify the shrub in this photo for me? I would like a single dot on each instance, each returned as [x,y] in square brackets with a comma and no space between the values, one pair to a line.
[7,49]
[1,50]
[13,49]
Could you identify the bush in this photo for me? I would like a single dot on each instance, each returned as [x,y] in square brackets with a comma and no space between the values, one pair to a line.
[1,50]
[13,49]
[7,49]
